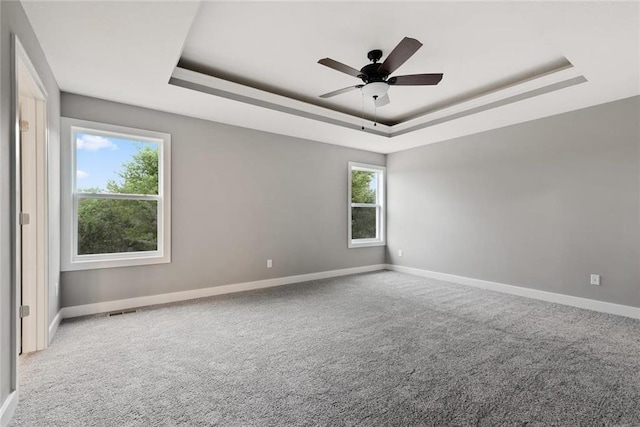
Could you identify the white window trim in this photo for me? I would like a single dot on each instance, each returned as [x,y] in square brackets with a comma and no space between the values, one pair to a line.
[380,239]
[70,260]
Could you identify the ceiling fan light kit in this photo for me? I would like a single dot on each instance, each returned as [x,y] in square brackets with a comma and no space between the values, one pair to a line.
[375,89]
[376,75]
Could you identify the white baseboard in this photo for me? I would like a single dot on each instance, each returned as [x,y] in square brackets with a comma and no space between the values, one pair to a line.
[8,408]
[53,327]
[123,304]
[105,307]
[589,304]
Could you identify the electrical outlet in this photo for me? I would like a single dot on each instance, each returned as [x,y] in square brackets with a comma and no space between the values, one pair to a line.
[57,287]
[399,252]
[269,263]
[595,279]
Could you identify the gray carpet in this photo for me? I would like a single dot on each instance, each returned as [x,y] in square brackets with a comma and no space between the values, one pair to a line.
[378,349]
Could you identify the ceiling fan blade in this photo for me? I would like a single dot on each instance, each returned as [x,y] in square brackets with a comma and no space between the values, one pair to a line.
[416,80]
[340,91]
[339,66]
[382,101]
[398,56]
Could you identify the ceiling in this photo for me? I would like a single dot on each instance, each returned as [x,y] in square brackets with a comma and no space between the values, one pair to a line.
[482,48]
[254,64]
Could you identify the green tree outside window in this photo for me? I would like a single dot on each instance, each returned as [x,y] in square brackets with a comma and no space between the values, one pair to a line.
[118,225]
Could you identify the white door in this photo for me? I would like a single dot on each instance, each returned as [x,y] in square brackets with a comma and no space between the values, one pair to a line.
[29,271]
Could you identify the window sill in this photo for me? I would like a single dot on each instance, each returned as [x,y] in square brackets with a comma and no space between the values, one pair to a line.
[366,243]
[93,264]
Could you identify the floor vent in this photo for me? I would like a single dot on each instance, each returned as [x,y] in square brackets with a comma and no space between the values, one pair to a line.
[119,313]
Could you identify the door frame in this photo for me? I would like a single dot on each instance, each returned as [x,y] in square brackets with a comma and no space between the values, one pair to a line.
[20,58]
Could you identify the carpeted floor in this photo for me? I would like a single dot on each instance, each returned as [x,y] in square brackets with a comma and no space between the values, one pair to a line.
[377,349]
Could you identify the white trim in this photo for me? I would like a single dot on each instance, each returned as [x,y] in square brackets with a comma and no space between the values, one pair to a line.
[16,241]
[30,233]
[70,261]
[366,243]
[53,327]
[20,60]
[8,408]
[219,87]
[560,75]
[589,304]
[42,218]
[34,200]
[104,307]
[380,205]
[31,69]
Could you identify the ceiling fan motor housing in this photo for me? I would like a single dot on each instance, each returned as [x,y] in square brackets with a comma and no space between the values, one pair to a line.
[371,74]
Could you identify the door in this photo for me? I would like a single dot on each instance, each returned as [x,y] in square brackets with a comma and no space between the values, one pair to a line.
[28,206]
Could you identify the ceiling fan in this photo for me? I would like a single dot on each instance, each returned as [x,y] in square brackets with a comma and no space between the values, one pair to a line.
[376,76]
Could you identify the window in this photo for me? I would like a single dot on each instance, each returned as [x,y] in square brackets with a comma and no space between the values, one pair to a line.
[116,196]
[366,205]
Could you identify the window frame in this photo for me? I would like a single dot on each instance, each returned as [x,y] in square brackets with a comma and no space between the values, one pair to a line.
[70,259]
[380,206]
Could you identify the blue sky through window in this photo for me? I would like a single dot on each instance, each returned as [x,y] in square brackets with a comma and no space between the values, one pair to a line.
[99,158]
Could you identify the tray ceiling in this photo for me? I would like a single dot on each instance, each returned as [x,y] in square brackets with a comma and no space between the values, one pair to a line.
[256,62]
[275,47]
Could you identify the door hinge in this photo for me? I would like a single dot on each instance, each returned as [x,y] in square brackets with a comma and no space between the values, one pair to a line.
[24,126]
[24,311]
[24,218]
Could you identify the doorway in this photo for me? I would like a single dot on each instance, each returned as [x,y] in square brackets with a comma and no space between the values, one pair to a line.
[31,203]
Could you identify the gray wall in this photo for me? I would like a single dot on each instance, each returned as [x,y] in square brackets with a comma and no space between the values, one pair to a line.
[14,21]
[239,197]
[540,205]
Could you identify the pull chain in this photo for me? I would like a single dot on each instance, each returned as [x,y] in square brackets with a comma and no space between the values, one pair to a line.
[375,113]
[362,110]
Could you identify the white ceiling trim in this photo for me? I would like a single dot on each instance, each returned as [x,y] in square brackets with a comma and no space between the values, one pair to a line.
[241,93]
[564,75]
